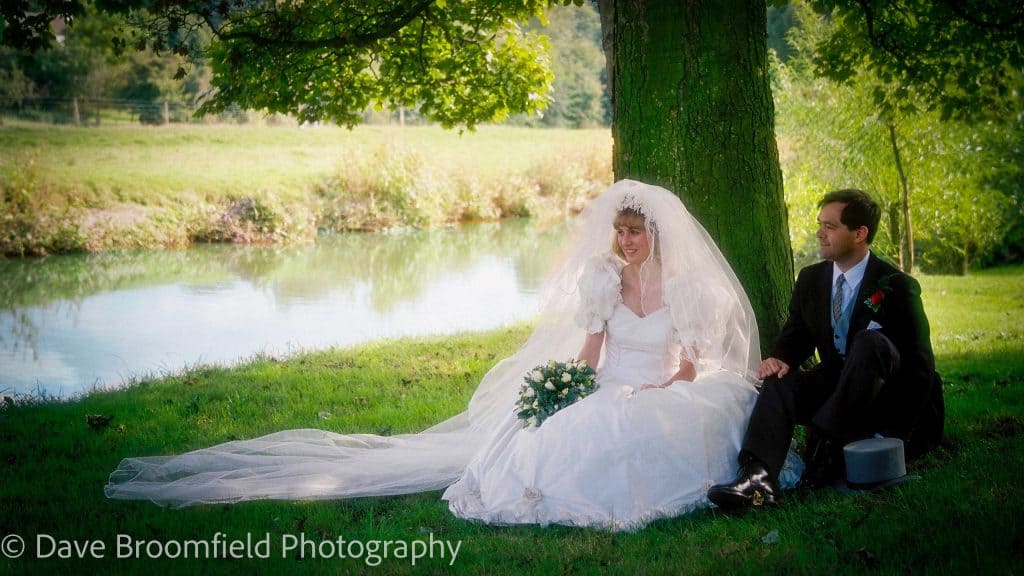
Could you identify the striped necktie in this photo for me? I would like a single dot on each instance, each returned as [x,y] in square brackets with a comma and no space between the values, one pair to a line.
[837,299]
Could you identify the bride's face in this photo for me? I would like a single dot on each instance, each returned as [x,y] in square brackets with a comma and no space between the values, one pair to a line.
[631,235]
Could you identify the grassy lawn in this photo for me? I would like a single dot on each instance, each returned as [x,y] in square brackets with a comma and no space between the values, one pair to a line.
[153,165]
[71,189]
[962,518]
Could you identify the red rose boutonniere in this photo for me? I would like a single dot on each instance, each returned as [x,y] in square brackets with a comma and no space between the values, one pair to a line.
[884,286]
[875,300]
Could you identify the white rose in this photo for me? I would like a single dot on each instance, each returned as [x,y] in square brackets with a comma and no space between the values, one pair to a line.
[537,376]
[530,393]
[536,406]
[566,377]
[549,385]
[564,392]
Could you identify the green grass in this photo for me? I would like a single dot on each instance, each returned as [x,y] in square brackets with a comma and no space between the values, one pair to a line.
[69,189]
[151,165]
[963,517]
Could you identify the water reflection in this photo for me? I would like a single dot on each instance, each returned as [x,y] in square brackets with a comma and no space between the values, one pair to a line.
[70,322]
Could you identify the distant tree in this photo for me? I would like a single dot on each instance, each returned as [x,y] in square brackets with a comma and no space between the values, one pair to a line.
[149,82]
[15,85]
[843,135]
[781,19]
[963,59]
[80,66]
[577,98]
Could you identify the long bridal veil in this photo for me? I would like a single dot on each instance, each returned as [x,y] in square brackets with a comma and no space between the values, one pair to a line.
[710,311]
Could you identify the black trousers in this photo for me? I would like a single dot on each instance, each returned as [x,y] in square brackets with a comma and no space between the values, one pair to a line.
[837,401]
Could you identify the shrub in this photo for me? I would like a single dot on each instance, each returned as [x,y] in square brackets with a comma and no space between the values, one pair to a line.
[35,219]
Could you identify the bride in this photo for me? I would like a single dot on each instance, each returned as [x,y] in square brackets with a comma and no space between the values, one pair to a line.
[644,295]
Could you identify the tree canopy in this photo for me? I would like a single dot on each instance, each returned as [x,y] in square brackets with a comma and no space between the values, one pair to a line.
[964,58]
[462,62]
[469,61]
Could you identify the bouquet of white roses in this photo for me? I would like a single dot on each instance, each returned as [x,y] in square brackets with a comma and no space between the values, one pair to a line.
[551,387]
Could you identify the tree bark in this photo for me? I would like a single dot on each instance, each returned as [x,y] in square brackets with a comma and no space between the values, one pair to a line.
[693,112]
[76,115]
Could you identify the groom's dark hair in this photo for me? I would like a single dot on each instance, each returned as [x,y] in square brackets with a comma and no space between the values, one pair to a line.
[860,210]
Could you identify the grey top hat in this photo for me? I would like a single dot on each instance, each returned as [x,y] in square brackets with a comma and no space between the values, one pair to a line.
[875,463]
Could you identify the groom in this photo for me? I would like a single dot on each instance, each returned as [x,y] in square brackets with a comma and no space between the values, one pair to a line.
[876,373]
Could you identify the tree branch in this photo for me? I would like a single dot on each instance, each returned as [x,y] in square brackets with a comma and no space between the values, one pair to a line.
[396,20]
[1012,25]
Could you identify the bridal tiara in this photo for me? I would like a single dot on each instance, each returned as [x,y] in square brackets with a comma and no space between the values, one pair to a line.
[632,202]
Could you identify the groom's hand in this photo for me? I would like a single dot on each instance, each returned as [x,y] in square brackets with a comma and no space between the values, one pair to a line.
[772,367]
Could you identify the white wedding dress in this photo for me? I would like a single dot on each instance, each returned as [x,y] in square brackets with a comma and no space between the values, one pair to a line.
[620,457]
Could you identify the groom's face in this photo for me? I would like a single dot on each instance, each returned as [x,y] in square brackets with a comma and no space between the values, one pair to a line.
[835,240]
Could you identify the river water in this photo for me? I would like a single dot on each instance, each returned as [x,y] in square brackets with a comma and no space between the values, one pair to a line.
[71,323]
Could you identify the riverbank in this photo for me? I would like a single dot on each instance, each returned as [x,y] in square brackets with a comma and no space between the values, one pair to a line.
[71,321]
[961,517]
[67,189]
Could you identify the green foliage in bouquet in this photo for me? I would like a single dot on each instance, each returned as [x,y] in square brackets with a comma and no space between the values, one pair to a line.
[551,387]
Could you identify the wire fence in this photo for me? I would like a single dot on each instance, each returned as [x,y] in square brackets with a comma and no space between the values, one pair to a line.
[108,111]
[122,111]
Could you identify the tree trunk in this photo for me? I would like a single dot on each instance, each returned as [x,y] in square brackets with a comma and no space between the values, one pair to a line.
[693,112]
[907,246]
[893,211]
[167,113]
[76,115]
[966,262]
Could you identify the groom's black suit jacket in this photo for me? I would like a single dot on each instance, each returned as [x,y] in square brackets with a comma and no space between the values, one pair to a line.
[910,404]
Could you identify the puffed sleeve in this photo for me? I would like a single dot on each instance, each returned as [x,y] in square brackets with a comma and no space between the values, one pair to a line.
[600,289]
[696,313]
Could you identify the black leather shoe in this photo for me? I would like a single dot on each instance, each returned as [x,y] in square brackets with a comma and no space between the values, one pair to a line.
[753,486]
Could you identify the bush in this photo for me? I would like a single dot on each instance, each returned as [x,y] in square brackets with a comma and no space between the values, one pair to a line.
[259,219]
[36,220]
[395,187]
[391,187]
